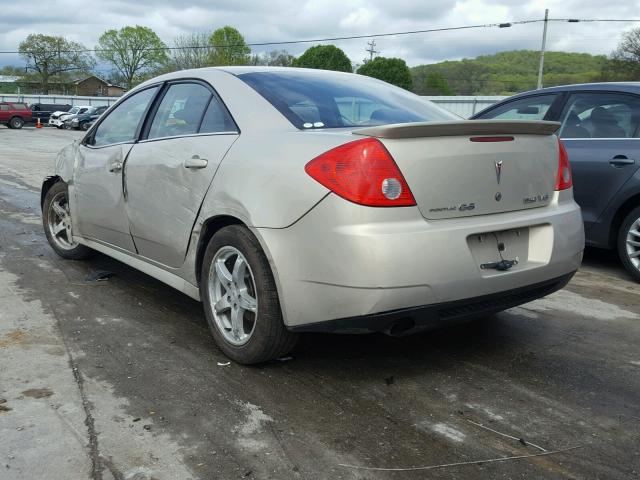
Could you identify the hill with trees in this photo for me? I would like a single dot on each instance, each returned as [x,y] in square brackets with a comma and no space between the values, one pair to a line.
[514,71]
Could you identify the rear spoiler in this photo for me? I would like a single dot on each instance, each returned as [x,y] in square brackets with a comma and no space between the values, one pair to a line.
[460,127]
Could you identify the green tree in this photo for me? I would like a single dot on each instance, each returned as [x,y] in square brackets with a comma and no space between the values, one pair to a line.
[274,58]
[191,51]
[390,70]
[626,57]
[133,51]
[12,71]
[228,47]
[49,57]
[436,84]
[325,57]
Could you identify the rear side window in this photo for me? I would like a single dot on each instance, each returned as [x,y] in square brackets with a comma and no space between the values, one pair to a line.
[335,100]
[216,119]
[530,108]
[121,125]
[19,106]
[601,115]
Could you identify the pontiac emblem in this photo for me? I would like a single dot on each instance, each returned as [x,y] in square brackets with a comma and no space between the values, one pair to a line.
[498,165]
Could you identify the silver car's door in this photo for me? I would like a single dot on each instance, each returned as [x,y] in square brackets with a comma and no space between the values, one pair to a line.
[169,172]
[98,187]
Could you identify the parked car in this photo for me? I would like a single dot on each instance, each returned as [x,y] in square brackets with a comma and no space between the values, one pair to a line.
[84,120]
[58,118]
[292,200]
[43,111]
[601,132]
[14,114]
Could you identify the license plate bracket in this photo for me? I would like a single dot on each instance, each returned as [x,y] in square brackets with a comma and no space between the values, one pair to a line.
[499,251]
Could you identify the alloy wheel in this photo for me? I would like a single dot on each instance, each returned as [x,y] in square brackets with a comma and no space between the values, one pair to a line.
[59,222]
[233,296]
[633,243]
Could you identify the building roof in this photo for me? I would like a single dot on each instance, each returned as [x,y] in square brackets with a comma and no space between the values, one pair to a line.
[107,84]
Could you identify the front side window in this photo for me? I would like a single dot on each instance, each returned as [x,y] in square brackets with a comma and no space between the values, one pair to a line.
[530,108]
[336,100]
[180,111]
[601,115]
[121,125]
[4,107]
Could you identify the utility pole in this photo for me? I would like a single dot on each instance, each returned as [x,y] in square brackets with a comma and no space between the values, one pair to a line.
[371,50]
[544,45]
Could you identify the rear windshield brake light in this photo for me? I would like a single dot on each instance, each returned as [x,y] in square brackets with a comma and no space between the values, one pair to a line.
[491,139]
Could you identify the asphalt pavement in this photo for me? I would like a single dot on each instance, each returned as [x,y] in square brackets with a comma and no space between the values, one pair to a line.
[120,379]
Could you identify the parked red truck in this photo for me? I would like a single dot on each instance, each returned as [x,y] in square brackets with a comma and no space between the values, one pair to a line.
[14,115]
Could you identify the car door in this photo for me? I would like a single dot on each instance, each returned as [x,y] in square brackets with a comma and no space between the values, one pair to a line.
[599,130]
[4,112]
[97,184]
[170,170]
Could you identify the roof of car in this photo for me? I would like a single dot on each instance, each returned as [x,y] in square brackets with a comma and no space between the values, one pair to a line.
[633,87]
[238,70]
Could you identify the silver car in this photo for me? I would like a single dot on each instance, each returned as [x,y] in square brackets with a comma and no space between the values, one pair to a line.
[293,200]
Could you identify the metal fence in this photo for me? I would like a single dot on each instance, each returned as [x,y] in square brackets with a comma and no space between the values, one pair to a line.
[59,99]
[464,106]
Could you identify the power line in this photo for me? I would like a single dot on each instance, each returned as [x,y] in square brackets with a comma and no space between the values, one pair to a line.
[352,37]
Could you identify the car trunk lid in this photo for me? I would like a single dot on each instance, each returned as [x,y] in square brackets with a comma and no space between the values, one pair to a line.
[467,168]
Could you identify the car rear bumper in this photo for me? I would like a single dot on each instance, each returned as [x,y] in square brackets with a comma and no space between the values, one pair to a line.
[410,320]
[344,261]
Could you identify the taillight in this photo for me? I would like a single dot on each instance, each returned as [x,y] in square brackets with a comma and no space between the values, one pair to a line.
[362,172]
[564,178]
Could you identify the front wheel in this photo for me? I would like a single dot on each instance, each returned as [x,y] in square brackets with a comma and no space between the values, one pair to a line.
[58,228]
[629,243]
[241,300]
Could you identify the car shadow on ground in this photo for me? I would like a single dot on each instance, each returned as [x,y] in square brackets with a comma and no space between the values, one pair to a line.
[493,338]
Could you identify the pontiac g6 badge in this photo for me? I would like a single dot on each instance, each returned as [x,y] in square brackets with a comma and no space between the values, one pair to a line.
[498,165]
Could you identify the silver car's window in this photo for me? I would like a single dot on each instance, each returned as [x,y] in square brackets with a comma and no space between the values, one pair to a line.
[180,111]
[530,108]
[216,119]
[601,115]
[121,125]
[333,100]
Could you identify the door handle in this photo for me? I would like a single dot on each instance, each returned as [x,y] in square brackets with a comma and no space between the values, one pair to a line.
[196,162]
[621,160]
[115,167]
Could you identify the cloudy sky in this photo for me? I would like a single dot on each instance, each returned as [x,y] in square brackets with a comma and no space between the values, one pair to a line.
[281,20]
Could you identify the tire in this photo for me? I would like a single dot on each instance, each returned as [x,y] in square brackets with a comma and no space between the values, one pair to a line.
[16,123]
[629,243]
[84,126]
[268,337]
[56,199]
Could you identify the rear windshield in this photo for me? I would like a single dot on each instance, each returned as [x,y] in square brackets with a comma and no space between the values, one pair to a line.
[331,100]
